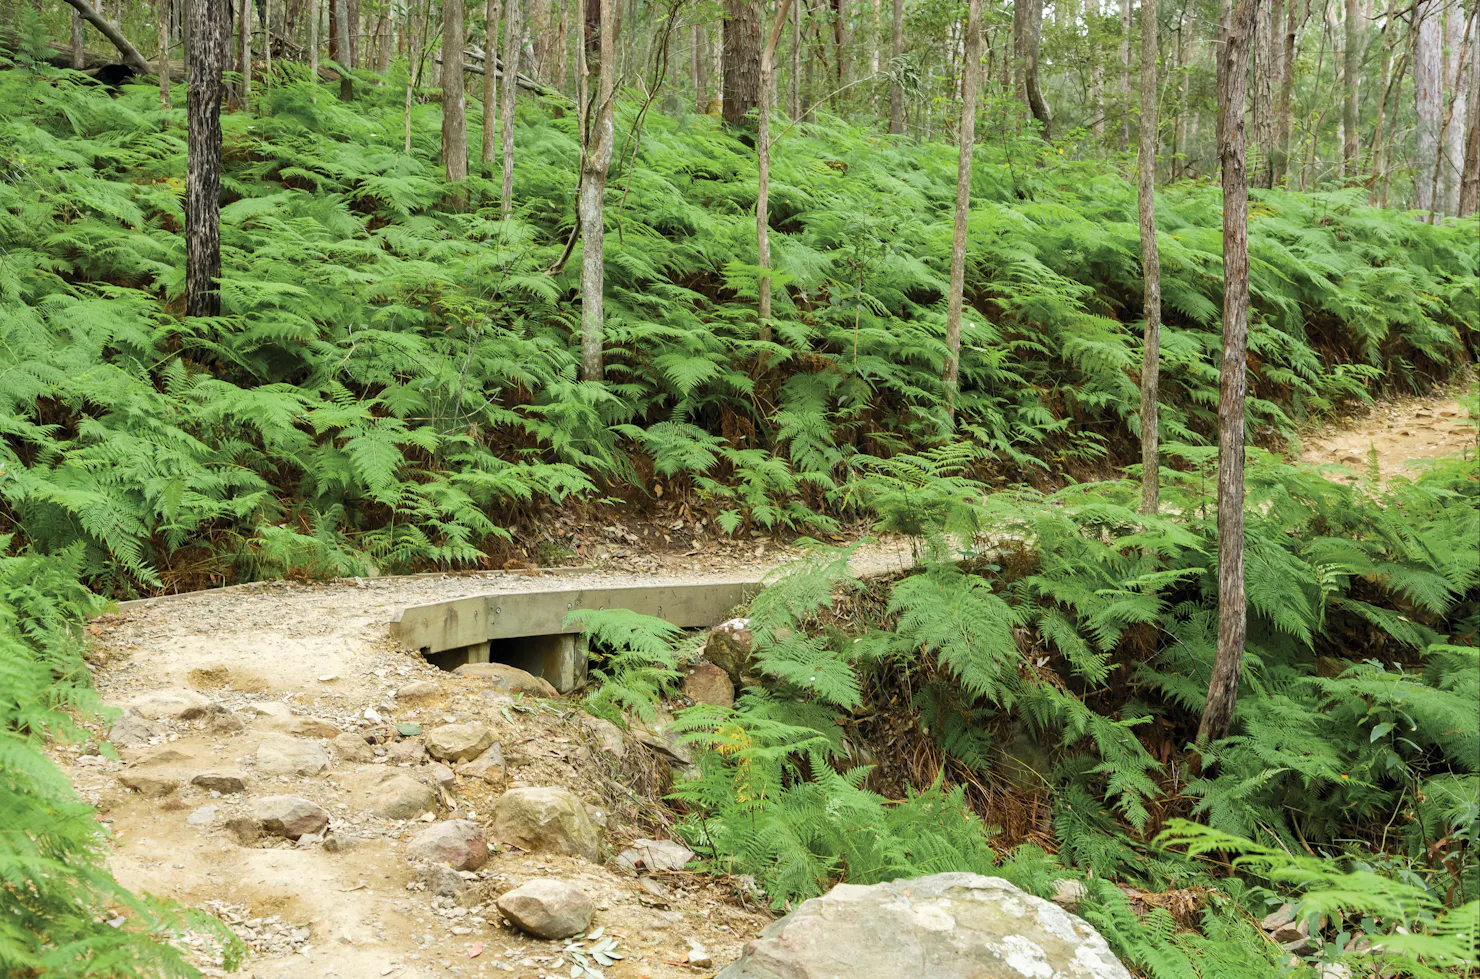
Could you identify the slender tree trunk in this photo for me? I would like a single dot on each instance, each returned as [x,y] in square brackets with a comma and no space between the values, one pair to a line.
[162,27]
[1280,152]
[266,42]
[490,80]
[454,96]
[794,76]
[1027,35]
[896,91]
[512,29]
[1457,43]
[313,52]
[1180,149]
[742,57]
[596,165]
[203,153]
[342,50]
[1428,82]
[1469,188]
[699,65]
[1375,160]
[956,300]
[1350,80]
[353,13]
[1263,83]
[1150,263]
[1217,718]
[244,34]
[763,174]
[79,48]
[414,46]
[129,53]
[841,35]
[1097,101]
[1125,73]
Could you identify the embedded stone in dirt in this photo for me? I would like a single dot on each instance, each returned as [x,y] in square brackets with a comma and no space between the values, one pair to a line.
[134,729]
[488,766]
[279,754]
[457,842]
[400,796]
[546,819]
[149,786]
[406,753]
[458,742]
[707,683]
[290,815]
[177,704]
[353,748]
[947,926]
[280,717]
[419,690]
[220,720]
[443,775]
[227,783]
[245,830]
[441,879]
[729,646]
[509,678]
[607,734]
[548,908]
[653,855]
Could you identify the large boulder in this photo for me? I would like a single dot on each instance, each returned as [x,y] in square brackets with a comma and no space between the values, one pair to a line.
[458,742]
[546,820]
[510,679]
[458,843]
[279,754]
[548,908]
[290,816]
[948,926]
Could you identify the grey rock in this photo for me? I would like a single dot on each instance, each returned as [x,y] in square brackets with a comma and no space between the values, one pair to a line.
[279,754]
[489,767]
[176,704]
[458,843]
[546,819]
[653,855]
[289,815]
[548,908]
[147,785]
[220,720]
[244,829]
[458,742]
[509,679]
[353,749]
[133,729]
[441,879]
[419,690]
[1068,893]
[443,775]
[607,735]
[406,753]
[729,647]
[399,796]
[948,926]
[204,816]
[227,783]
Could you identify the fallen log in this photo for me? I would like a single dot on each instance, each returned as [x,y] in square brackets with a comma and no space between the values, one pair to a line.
[131,55]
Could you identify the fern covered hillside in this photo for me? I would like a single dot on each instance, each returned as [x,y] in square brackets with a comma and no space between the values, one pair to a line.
[365,302]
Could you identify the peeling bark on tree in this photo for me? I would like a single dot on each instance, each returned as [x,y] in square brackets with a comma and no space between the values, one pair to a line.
[742,58]
[490,81]
[341,43]
[956,301]
[1217,718]
[594,168]
[1428,81]
[203,158]
[512,28]
[896,90]
[1150,263]
[454,95]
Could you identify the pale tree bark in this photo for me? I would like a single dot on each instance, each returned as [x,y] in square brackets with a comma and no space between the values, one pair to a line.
[1469,188]
[1217,718]
[841,35]
[162,28]
[1263,85]
[342,49]
[956,300]
[595,166]
[266,42]
[414,45]
[1150,264]
[1457,43]
[203,157]
[1375,159]
[512,28]
[794,76]
[490,80]
[742,58]
[244,35]
[763,175]
[1428,82]
[79,50]
[896,91]
[313,57]
[454,95]
[699,62]
[1027,35]
[1180,148]
[1097,100]
[1350,83]
[1125,72]
[1280,152]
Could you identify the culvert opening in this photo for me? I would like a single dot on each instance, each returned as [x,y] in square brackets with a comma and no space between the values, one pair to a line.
[561,658]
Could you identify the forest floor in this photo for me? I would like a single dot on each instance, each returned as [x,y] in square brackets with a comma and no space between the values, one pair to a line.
[324,651]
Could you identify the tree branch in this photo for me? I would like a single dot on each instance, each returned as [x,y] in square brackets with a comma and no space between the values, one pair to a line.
[131,55]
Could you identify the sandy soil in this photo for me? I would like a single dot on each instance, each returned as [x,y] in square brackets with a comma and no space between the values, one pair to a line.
[1406,436]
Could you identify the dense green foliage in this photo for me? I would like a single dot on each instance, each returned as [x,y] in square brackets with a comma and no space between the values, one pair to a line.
[392,385]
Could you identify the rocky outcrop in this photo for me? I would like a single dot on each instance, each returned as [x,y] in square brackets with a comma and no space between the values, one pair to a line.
[548,908]
[949,926]
[546,820]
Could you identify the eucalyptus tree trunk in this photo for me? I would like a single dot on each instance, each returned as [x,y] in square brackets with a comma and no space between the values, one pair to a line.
[1150,263]
[414,45]
[896,91]
[454,96]
[1469,187]
[79,48]
[512,30]
[842,37]
[1280,151]
[1350,83]
[203,158]
[742,58]
[594,168]
[313,61]
[244,34]
[1125,72]
[763,175]
[1428,82]
[1027,35]
[1458,40]
[794,76]
[342,49]
[699,64]
[1263,83]
[266,42]
[161,25]
[490,80]
[1217,718]
[956,300]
